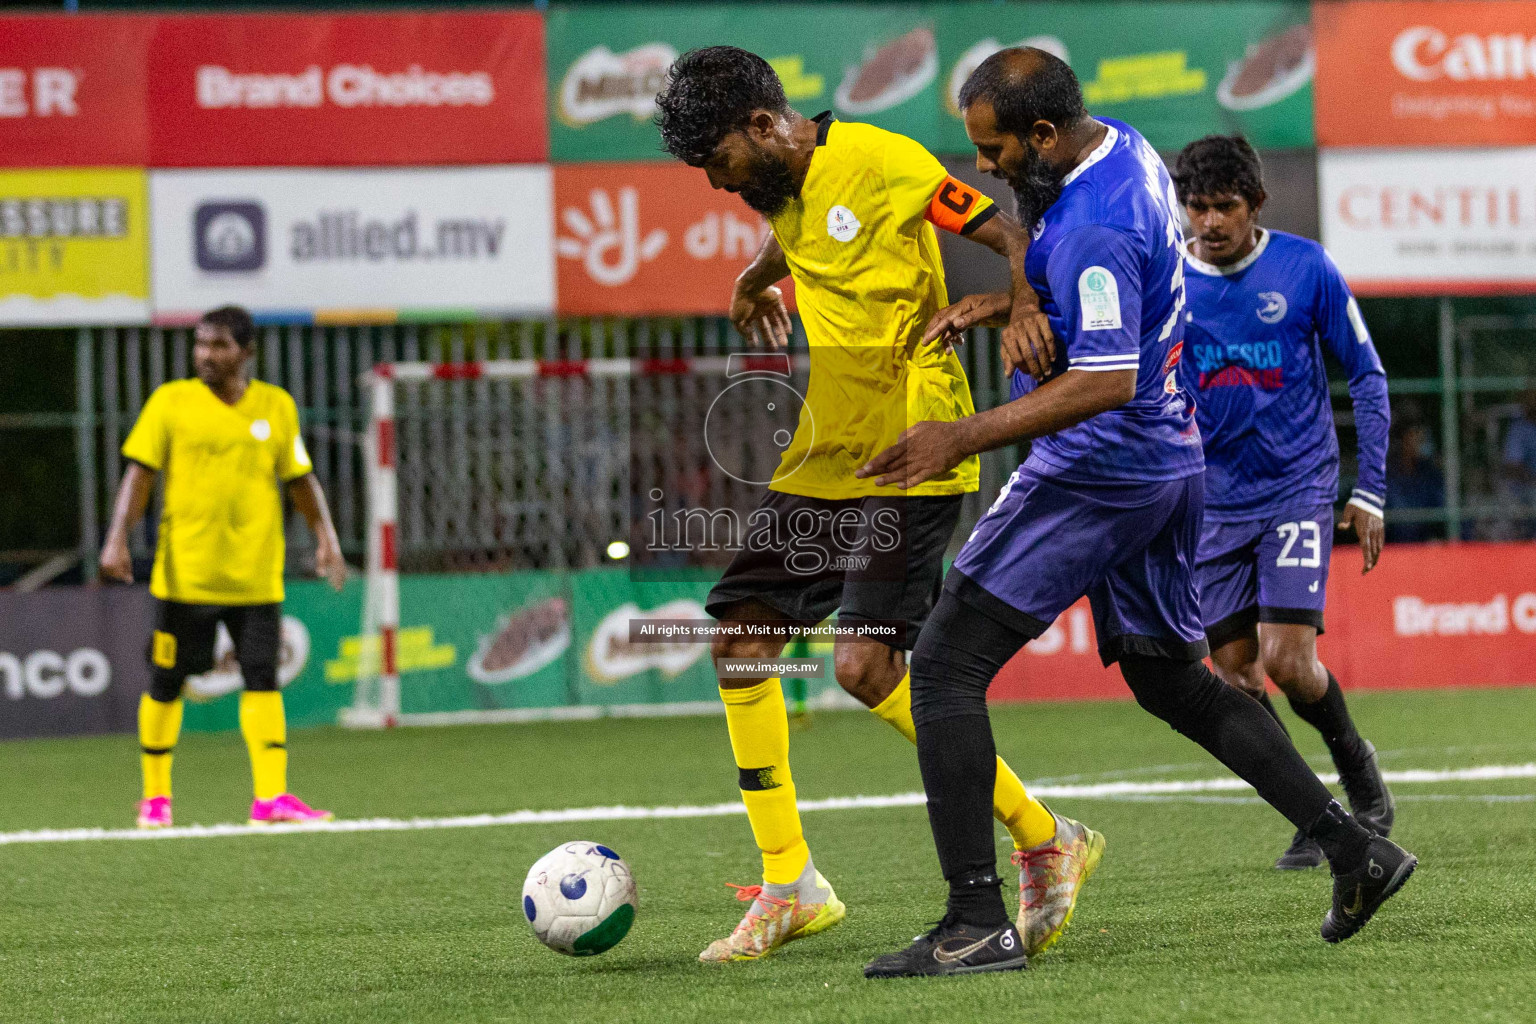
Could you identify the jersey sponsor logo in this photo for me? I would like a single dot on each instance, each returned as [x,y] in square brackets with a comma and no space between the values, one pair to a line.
[1173,356]
[1272,308]
[1243,364]
[1171,383]
[842,224]
[1099,296]
[261,429]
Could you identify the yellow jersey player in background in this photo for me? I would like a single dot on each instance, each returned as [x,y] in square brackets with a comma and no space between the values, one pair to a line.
[853,209]
[224,443]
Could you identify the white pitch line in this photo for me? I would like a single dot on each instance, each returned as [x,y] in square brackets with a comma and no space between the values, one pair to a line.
[1093,791]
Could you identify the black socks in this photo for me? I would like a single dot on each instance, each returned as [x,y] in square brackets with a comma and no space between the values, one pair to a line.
[959,763]
[1233,727]
[1330,717]
[1342,838]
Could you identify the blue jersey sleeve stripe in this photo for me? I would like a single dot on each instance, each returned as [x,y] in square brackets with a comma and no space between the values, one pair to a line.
[1361,492]
[1105,359]
[1099,367]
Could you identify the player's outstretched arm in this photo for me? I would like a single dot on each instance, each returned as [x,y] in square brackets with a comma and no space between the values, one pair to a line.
[1027,340]
[309,499]
[757,306]
[132,499]
[932,447]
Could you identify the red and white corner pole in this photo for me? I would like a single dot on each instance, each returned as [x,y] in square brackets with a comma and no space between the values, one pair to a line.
[383,550]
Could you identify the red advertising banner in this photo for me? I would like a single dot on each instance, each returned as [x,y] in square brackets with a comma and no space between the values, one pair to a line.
[72,90]
[348,89]
[638,238]
[1428,616]
[1452,73]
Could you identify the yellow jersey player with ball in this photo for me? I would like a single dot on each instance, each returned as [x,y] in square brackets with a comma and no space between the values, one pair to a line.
[853,210]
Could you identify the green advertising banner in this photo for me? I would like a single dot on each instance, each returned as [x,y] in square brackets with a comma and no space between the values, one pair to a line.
[1173,71]
[875,63]
[485,642]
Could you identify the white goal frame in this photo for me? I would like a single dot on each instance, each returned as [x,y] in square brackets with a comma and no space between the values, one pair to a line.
[376,703]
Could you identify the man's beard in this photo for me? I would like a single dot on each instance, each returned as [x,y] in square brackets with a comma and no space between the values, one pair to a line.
[772,186]
[1035,188]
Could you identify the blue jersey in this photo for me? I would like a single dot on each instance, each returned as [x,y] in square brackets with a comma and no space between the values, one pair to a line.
[1107,262]
[1253,355]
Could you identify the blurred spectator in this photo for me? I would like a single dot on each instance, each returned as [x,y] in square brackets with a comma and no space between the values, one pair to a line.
[1517,483]
[1414,481]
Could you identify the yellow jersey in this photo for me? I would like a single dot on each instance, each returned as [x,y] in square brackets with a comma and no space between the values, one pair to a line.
[221,528]
[861,248]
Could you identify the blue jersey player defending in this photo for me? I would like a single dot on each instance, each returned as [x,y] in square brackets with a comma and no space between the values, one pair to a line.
[1109,504]
[1263,308]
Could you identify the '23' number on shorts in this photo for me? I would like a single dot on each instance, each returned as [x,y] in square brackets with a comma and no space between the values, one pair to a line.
[1311,542]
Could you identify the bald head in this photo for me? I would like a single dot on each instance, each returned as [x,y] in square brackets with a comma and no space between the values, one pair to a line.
[1024,85]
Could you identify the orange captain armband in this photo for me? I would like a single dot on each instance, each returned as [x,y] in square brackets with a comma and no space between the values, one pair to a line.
[958,208]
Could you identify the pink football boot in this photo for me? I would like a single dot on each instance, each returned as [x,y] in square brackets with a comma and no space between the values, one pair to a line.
[287,809]
[155,812]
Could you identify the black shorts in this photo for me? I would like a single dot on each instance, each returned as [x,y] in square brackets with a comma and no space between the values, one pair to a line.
[875,560]
[183,641]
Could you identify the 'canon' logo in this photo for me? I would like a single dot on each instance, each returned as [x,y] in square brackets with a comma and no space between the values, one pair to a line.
[1426,54]
[47,674]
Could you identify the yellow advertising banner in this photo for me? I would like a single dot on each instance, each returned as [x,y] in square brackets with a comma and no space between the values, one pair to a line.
[74,246]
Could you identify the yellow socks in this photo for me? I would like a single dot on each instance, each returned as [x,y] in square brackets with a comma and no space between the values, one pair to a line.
[759,728]
[1025,818]
[266,737]
[159,726]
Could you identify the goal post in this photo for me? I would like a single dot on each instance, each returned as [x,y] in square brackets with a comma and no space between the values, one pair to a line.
[473,463]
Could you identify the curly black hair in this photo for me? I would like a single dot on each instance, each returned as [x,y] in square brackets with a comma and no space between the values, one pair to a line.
[235,320]
[711,92]
[1024,91]
[1219,165]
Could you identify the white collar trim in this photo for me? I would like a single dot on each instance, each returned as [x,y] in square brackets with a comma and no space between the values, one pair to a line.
[1098,154]
[1236,268]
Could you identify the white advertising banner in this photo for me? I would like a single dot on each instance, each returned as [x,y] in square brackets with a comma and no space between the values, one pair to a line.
[340,245]
[1431,221]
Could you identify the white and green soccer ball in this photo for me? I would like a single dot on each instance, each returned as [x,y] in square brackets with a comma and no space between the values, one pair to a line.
[580,899]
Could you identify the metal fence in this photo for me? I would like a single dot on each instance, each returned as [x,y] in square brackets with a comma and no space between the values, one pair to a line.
[536,474]
[496,474]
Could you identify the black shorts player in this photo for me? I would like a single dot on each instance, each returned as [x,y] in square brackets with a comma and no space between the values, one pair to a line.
[227,448]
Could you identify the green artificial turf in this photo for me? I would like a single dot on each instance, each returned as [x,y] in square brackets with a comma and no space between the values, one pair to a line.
[1184,922]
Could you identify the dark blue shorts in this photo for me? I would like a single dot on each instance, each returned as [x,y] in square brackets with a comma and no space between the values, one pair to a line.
[1266,570]
[1130,547]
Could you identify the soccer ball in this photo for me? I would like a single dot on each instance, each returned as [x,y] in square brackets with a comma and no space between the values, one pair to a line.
[580,899]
